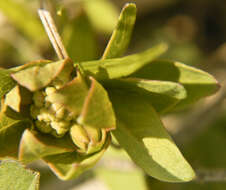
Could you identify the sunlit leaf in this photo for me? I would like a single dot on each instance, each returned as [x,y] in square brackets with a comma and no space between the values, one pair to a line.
[141,133]
[97,111]
[120,38]
[14,176]
[197,83]
[35,77]
[121,67]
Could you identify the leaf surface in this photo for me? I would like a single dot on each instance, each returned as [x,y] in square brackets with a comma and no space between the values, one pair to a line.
[141,133]
[36,76]
[97,110]
[121,67]
[14,176]
[121,35]
[163,95]
[197,83]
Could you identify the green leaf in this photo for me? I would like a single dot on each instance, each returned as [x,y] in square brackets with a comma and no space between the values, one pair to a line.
[34,146]
[6,82]
[141,133]
[97,111]
[70,165]
[35,76]
[120,38]
[16,12]
[121,67]
[13,176]
[163,95]
[10,134]
[197,83]
[102,14]
[80,48]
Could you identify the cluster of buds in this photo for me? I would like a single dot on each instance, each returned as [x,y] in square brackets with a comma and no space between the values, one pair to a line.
[58,102]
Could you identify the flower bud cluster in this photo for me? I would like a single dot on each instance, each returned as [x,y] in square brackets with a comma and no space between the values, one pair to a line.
[53,118]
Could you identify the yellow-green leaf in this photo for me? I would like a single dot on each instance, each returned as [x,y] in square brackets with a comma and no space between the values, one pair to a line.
[121,67]
[121,35]
[163,95]
[97,110]
[141,133]
[197,83]
[36,76]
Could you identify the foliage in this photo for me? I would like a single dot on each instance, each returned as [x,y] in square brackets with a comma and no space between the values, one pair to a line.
[63,112]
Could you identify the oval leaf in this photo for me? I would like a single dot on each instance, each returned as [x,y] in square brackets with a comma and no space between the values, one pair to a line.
[141,133]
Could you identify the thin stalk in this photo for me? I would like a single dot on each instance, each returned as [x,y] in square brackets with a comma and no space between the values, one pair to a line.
[52,33]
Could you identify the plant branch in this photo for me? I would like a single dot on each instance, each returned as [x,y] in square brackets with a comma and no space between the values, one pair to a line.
[52,33]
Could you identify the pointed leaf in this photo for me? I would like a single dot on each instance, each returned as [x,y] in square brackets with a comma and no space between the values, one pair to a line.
[70,165]
[161,94]
[197,83]
[35,145]
[120,38]
[102,14]
[10,134]
[141,133]
[14,176]
[122,67]
[6,82]
[97,110]
[36,76]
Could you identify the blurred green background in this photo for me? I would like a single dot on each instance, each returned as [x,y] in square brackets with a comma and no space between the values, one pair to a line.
[196,33]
